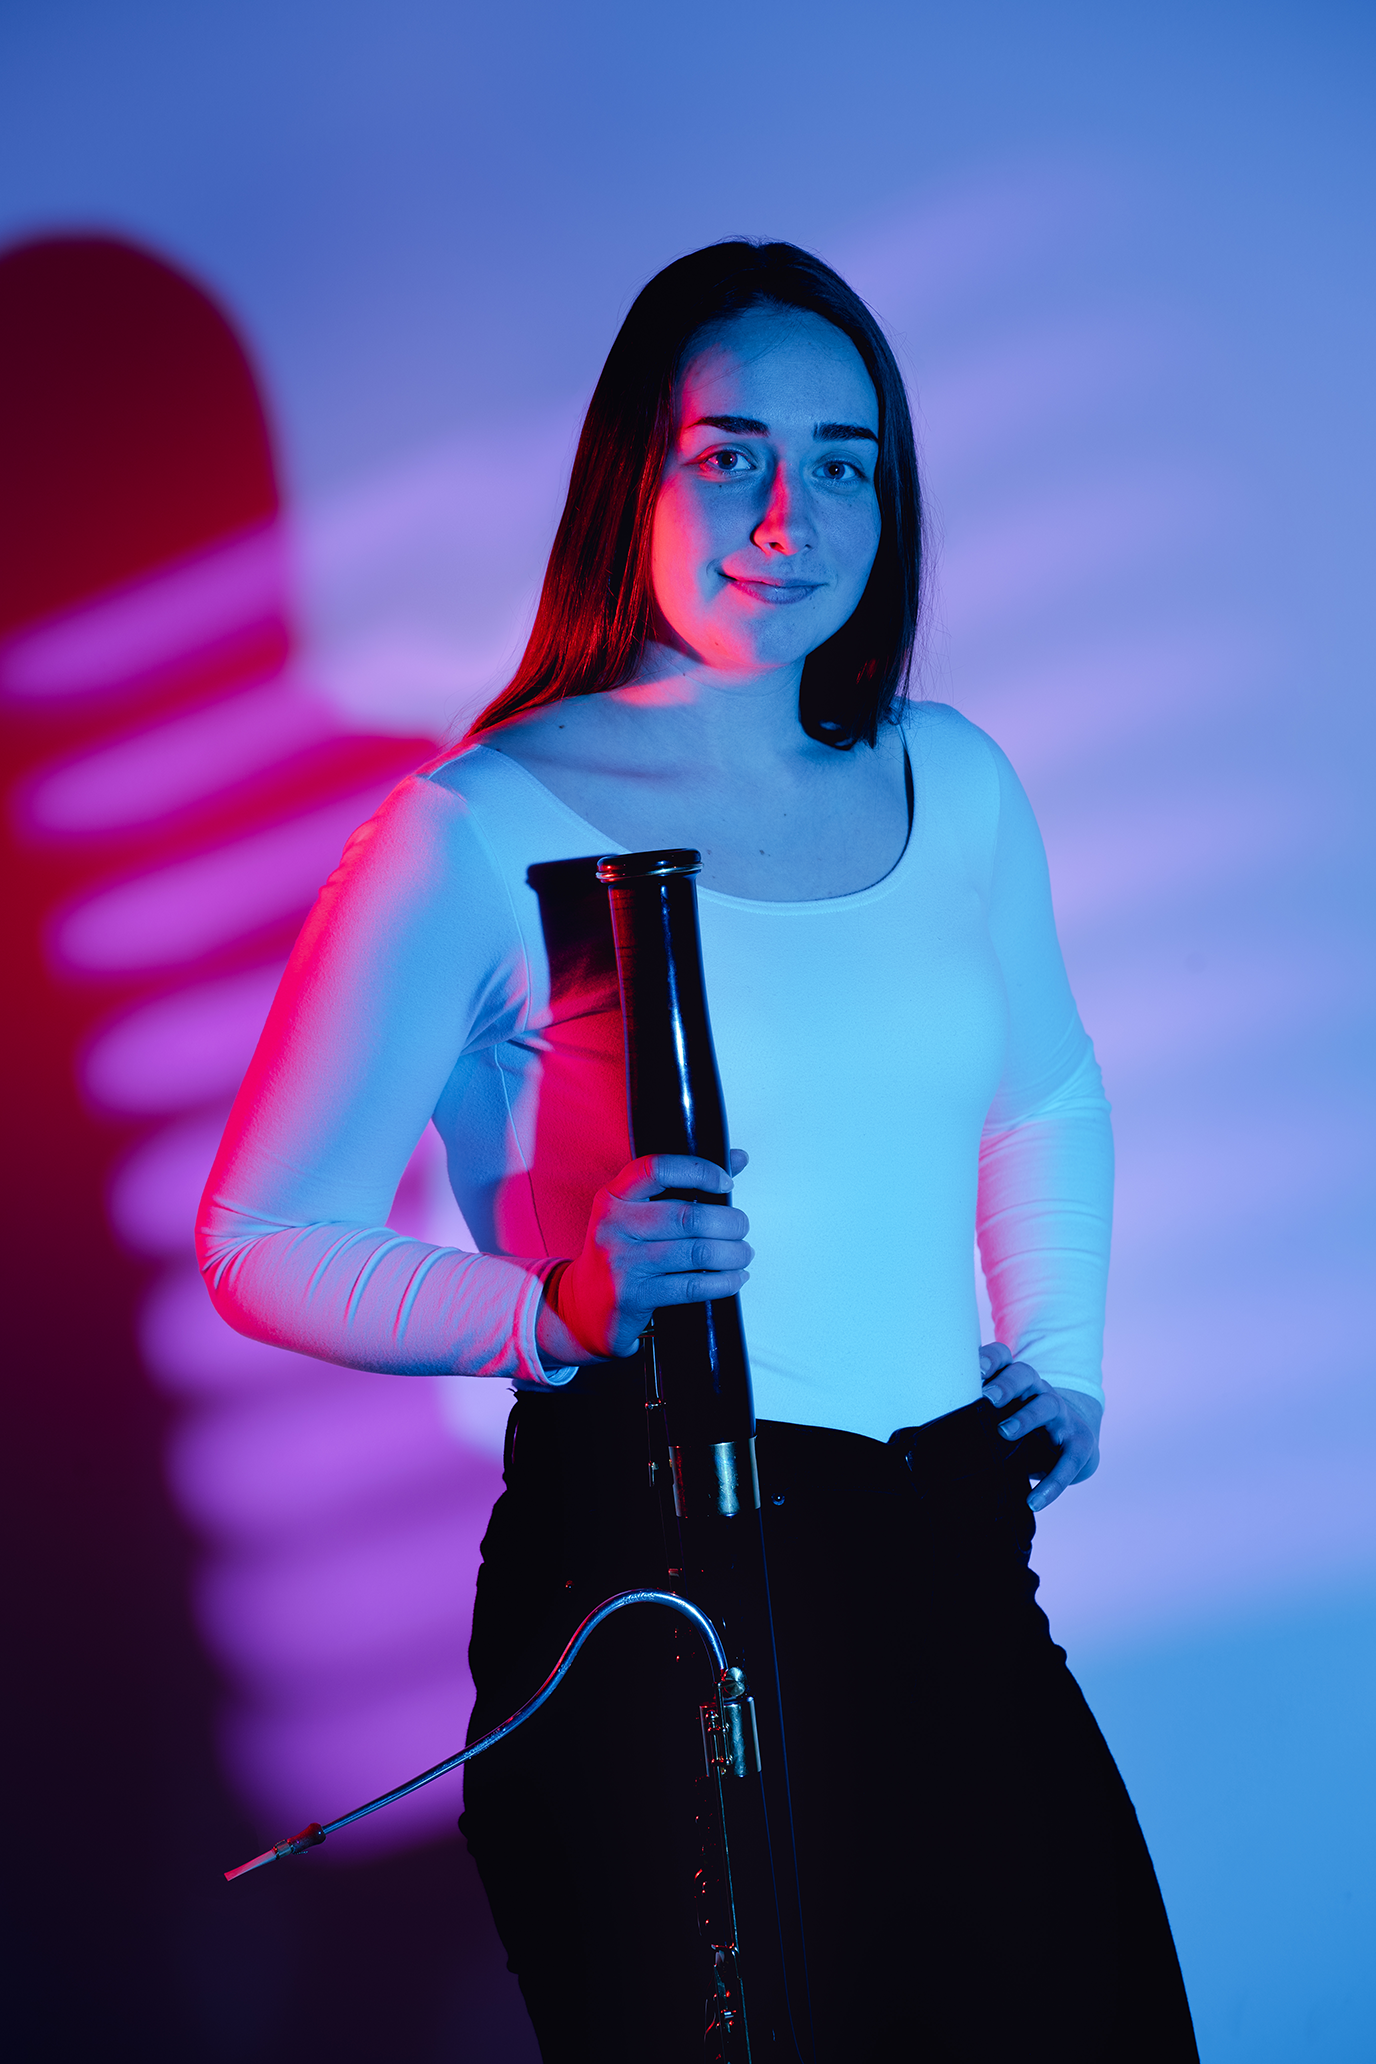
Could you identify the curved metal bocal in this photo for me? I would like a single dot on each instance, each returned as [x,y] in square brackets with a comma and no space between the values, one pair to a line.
[310,1836]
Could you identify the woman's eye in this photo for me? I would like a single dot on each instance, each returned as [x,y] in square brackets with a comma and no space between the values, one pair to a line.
[840,469]
[727,462]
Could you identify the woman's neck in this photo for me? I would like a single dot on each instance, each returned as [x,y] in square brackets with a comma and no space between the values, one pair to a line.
[671,760]
[678,704]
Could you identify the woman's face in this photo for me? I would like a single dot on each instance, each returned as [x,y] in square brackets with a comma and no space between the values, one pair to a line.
[767,521]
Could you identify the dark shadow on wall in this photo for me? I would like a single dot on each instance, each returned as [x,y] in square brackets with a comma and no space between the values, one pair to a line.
[133,440]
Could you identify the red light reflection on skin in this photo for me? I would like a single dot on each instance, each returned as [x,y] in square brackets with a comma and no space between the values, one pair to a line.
[767,520]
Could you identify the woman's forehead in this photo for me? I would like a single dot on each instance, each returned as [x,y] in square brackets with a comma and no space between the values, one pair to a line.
[769,364]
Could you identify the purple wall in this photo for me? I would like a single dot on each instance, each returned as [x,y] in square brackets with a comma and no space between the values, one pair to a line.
[1119,256]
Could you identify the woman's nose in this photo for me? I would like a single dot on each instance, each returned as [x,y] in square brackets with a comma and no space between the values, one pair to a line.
[785,526]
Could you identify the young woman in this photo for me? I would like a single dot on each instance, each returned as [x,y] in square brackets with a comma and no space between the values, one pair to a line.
[719,661]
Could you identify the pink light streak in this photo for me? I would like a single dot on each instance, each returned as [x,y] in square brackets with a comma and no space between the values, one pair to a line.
[185,1049]
[121,641]
[342,1608]
[176,914]
[273,1466]
[151,774]
[339,1515]
[337,1752]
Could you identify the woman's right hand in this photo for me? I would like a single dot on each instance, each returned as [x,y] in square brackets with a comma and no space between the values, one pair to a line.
[644,1250]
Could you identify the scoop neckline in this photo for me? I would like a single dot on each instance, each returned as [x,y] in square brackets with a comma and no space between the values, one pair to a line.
[809,906]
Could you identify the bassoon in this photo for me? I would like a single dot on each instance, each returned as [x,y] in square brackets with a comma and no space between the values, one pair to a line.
[700,1419]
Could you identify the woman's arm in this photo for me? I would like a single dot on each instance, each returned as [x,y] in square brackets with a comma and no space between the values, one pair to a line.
[409,955]
[1046,1166]
[1069,1416]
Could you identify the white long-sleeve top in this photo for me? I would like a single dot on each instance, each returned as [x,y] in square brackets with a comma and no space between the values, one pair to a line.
[900,1063]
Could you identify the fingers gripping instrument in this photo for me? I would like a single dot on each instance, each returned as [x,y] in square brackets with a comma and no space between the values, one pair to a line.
[676,1107]
[701,1424]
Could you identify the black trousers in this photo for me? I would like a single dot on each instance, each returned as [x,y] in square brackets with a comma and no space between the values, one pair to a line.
[975,1885]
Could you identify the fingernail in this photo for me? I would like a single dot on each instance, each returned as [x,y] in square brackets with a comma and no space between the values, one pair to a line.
[1009,1428]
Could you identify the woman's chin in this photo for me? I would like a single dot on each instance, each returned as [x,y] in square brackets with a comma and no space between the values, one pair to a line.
[762,638]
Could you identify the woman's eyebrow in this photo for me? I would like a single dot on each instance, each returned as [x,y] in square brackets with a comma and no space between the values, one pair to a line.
[738,426]
[750,426]
[829,432]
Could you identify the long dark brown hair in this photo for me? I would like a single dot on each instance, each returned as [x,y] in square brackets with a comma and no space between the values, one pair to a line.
[596,606]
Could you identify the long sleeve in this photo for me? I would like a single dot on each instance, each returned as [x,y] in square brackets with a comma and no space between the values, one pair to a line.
[410,958]
[1046,1157]
[454,968]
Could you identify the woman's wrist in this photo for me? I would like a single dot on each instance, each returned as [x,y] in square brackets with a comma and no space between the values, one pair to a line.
[1089,1407]
[558,1347]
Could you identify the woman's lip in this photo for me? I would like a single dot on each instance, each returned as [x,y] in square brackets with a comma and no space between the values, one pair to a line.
[775,591]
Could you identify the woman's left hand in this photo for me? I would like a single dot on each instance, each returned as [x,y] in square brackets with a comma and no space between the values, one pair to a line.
[1071,1417]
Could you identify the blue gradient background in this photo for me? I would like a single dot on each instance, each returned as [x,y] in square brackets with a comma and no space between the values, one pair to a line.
[1125,254]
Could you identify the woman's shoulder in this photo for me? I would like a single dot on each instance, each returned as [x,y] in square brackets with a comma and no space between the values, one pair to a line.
[423,814]
[948,746]
[463,770]
[471,773]
[438,840]
[487,782]
[405,863]
[519,820]
[968,785]
[445,802]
